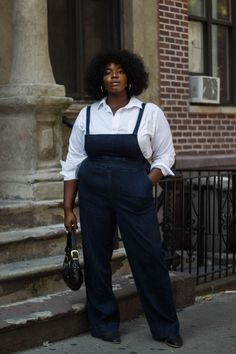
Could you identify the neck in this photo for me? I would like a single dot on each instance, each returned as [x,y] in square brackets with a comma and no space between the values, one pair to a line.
[115,102]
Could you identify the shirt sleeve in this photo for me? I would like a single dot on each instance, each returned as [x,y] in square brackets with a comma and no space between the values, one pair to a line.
[76,152]
[163,156]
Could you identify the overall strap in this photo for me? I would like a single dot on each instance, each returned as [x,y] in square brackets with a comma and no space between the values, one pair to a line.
[88,119]
[139,119]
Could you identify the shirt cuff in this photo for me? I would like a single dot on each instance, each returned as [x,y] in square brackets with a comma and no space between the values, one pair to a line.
[166,171]
[68,171]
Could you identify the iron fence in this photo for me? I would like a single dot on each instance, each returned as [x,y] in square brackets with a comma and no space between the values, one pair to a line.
[197,215]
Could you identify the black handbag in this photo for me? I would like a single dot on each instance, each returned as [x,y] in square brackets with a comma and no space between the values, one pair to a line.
[72,273]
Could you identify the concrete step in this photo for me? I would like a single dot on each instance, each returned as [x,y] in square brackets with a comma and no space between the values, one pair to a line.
[26,214]
[36,242]
[41,276]
[54,317]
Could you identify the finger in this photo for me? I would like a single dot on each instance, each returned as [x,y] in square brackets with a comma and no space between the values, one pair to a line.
[74,227]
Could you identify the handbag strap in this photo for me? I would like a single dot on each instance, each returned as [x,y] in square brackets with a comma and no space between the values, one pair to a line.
[71,245]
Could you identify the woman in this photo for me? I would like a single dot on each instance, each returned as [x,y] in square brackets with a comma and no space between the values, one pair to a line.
[119,148]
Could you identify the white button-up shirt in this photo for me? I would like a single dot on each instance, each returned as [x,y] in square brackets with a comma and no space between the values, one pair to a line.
[154,135]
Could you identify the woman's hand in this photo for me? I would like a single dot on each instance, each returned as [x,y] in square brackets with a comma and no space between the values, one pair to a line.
[70,220]
[155,175]
[70,189]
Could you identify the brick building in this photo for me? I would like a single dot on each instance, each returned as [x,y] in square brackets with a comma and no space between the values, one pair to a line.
[204,134]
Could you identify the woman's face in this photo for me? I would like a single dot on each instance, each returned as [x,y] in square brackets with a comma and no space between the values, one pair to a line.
[114,79]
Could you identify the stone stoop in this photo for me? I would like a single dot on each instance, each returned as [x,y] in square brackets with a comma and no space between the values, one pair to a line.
[35,304]
[32,245]
[24,244]
[42,276]
[32,322]
[23,214]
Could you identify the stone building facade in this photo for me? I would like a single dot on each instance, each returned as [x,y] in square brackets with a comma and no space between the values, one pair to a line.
[31,105]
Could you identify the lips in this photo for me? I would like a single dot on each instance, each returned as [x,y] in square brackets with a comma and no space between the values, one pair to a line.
[115,83]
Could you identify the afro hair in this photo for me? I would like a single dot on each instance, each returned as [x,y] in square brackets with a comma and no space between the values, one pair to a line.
[131,63]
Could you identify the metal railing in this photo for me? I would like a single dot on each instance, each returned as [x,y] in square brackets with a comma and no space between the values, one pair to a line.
[197,216]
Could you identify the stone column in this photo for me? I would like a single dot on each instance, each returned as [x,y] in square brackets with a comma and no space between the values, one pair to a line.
[31,106]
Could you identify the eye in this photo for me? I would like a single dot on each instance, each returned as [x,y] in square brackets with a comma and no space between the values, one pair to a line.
[107,72]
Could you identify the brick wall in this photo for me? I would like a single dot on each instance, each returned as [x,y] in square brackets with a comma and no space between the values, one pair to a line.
[193,133]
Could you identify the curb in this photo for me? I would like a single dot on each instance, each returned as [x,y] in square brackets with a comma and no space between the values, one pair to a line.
[226,283]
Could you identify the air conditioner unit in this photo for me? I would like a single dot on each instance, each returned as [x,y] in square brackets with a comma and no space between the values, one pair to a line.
[204,89]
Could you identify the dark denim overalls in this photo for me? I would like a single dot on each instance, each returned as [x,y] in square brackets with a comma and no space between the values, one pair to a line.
[114,189]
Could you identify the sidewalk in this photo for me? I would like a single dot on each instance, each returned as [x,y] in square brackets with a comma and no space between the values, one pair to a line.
[208,327]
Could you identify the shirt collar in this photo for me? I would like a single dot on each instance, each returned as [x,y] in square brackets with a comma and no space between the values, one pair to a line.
[133,102]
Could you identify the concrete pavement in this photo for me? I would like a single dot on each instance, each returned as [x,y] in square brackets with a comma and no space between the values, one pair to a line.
[208,327]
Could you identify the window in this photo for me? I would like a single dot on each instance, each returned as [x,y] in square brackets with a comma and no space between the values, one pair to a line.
[77,29]
[212,43]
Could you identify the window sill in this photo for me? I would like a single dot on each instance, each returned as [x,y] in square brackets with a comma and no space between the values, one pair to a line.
[212,109]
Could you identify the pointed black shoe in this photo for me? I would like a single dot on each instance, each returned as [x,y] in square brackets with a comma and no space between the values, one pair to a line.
[113,337]
[174,342]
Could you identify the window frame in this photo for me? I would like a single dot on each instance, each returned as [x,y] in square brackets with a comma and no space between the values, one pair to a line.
[75,43]
[207,22]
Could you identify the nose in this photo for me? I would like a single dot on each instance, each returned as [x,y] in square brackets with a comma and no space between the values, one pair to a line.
[114,73]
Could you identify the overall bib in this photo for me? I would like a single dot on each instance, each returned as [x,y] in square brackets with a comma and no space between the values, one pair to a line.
[114,189]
